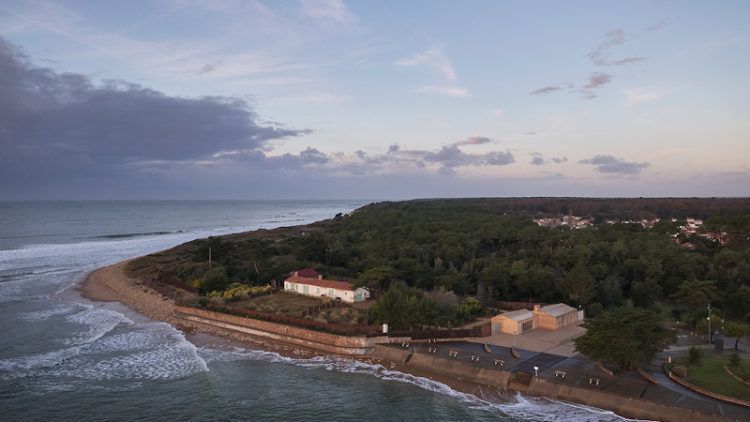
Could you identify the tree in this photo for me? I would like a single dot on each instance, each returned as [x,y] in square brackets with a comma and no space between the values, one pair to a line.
[694,355]
[696,293]
[625,336]
[215,280]
[578,285]
[736,329]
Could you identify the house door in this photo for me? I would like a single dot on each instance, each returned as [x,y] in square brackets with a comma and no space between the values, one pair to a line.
[306,290]
[497,328]
[358,297]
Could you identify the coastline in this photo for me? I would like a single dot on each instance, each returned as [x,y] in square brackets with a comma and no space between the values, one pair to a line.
[112,284]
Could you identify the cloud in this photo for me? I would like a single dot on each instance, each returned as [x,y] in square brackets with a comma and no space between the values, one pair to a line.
[547,89]
[596,80]
[63,123]
[444,90]
[657,26]
[634,96]
[498,112]
[537,159]
[433,57]
[475,140]
[326,9]
[610,164]
[614,38]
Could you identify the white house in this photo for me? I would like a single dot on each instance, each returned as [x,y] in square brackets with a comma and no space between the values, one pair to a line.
[320,287]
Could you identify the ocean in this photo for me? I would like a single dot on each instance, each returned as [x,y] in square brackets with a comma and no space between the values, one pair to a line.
[63,357]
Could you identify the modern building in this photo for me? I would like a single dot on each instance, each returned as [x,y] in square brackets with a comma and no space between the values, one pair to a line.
[513,322]
[320,287]
[550,317]
[554,317]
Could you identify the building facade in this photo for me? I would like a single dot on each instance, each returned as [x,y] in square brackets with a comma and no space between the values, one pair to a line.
[320,287]
[550,317]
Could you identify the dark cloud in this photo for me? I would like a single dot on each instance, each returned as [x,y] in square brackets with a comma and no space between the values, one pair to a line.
[474,140]
[55,123]
[546,90]
[537,159]
[596,80]
[610,164]
[614,38]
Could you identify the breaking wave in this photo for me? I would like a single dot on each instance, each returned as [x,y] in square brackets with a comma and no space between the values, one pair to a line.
[536,409]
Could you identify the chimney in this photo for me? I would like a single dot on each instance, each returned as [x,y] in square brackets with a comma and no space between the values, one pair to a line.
[320,276]
[536,308]
[296,273]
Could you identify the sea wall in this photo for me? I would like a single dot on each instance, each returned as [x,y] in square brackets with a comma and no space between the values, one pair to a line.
[454,369]
[325,342]
[627,406]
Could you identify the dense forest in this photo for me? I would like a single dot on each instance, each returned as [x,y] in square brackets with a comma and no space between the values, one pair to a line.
[491,249]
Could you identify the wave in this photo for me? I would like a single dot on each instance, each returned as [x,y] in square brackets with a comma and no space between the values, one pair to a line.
[536,409]
[139,234]
[152,350]
[99,322]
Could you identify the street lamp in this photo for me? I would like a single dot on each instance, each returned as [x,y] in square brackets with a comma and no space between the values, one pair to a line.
[709,323]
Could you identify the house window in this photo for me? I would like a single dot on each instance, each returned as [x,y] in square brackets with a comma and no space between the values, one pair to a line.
[526,326]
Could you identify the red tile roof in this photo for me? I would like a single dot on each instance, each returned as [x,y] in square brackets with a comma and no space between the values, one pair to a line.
[307,272]
[329,284]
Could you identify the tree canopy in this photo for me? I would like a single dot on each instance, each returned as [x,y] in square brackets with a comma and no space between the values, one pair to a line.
[626,336]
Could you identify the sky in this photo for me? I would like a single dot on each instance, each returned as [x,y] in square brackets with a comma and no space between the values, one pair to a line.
[225,99]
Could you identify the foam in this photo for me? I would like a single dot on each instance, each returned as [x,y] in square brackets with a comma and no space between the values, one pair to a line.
[521,407]
[99,322]
[46,313]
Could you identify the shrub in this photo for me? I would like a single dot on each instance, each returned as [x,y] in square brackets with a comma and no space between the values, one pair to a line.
[594,309]
[734,359]
[695,355]
[680,371]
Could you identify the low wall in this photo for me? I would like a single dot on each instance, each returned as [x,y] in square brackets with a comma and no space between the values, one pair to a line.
[630,407]
[325,342]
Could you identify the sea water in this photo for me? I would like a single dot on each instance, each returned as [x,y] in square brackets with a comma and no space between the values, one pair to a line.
[63,357]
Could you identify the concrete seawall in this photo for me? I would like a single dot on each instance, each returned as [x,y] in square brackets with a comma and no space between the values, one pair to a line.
[325,342]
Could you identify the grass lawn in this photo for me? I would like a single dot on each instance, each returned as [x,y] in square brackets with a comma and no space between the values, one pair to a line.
[710,374]
[294,305]
[284,303]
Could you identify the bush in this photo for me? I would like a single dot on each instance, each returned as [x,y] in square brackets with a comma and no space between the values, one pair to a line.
[695,355]
[734,359]
[215,279]
[594,309]
[680,371]
[469,309]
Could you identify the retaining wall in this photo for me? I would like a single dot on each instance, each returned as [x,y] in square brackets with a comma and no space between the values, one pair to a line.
[627,406]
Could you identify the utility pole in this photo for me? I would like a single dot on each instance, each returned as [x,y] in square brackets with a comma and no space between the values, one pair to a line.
[209,261]
[709,323]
